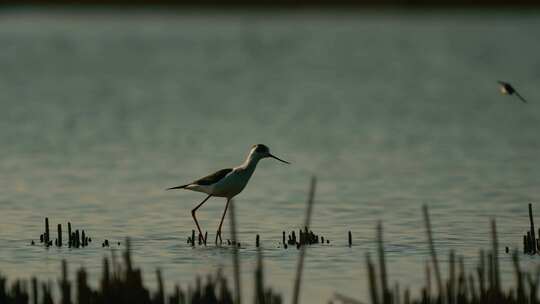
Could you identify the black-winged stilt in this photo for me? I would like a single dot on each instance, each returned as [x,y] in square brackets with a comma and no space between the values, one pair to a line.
[227,182]
[508,89]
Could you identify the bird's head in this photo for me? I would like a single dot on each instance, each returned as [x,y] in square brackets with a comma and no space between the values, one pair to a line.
[505,88]
[260,151]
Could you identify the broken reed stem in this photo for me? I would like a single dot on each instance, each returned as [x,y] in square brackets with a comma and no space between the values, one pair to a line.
[300,266]
[432,250]
[236,260]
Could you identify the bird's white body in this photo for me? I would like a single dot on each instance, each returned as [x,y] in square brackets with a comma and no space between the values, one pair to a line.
[233,183]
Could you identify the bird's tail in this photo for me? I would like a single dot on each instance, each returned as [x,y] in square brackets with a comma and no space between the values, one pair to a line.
[178,187]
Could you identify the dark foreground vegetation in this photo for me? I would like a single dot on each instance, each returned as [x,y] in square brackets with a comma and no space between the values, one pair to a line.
[121,282]
[481,285]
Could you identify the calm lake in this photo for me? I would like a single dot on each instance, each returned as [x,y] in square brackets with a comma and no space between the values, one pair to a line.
[103,110]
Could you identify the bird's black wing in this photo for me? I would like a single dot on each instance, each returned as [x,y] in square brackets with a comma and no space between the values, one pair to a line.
[207,180]
[213,178]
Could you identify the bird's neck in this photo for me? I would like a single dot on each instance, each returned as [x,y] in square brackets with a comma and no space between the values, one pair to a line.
[250,163]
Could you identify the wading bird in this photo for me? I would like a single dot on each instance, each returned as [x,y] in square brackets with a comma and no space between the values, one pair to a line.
[508,89]
[227,182]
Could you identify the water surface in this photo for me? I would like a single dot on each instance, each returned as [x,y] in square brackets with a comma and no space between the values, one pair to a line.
[102,111]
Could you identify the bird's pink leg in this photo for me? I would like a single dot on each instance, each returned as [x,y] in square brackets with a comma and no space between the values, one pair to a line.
[195,218]
[221,223]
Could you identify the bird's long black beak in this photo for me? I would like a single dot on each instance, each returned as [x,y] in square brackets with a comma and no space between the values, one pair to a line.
[281,160]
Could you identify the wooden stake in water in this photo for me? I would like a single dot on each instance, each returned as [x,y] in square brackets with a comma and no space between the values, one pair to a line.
[529,242]
[257,241]
[533,237]
[59,235]
[69,234]
[350,238]
[47,231]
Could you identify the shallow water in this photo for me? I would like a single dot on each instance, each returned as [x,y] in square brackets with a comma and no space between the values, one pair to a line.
[390,110]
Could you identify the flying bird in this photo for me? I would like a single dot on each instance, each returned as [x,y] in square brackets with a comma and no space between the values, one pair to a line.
[508,89]
[228,182]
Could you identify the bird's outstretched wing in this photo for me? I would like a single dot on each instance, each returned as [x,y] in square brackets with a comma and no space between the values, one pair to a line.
[207,180]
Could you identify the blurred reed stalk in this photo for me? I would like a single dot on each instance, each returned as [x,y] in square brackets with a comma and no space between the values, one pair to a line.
[262,294]
[236,258]
[300,266]
[385,292]
[432,250]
